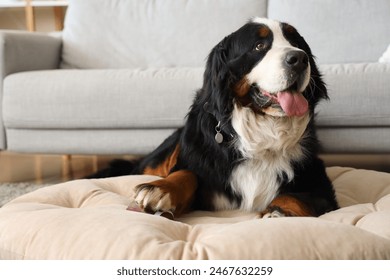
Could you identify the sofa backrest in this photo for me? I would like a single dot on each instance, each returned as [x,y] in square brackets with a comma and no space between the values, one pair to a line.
[174,33]
[338,31]
[149,33]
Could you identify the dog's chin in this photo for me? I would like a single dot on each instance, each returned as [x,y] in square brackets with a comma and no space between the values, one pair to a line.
[274,110]
[265,104]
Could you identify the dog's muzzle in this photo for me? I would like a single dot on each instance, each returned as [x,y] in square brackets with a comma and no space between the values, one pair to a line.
[288,101]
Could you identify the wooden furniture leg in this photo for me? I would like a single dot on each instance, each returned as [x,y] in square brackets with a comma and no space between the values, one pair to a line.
[58,18]
[67,167]
[95,164]
[30,18]
[38,169]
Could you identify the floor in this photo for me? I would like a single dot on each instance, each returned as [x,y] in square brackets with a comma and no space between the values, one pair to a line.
[16,167]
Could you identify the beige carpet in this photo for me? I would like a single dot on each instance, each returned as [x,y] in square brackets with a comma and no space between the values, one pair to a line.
[9,191]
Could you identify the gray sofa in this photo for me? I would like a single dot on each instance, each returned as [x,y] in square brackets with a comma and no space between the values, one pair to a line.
[122,75]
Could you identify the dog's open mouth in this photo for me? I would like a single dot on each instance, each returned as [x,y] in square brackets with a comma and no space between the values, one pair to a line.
[289,101]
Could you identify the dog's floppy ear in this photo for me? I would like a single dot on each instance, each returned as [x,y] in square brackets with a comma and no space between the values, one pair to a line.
[216,80]
[216,66]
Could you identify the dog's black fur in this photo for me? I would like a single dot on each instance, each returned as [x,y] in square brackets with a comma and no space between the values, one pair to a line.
[209,165]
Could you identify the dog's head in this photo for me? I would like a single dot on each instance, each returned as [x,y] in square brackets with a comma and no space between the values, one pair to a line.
[266,65]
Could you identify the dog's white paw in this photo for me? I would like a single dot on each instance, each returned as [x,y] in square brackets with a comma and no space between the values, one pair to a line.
[272,214]
[152,198]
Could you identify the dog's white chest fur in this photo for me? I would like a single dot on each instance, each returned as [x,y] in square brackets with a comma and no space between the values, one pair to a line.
[257,183]
[269,145]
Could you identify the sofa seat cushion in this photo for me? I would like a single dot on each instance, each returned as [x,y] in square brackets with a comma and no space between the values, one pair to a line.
[111,99]
[160,98]
[87,219]
[359,95]
[86,141]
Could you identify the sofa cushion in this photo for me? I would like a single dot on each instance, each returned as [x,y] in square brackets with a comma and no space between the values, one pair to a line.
[357,140]
[385,58]
[149,33]
[86,141]
[359,96]
[111,99]
[160,98]
[338,31]
[87,219]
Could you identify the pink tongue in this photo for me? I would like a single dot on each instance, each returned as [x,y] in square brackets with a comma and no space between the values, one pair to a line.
[293,103]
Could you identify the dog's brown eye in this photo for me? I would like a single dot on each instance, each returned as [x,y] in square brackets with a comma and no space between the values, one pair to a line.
[260,46]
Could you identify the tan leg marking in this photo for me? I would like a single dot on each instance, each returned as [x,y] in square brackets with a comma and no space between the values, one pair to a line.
[286,206]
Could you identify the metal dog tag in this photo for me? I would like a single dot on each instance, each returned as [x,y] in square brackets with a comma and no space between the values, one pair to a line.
[218,137]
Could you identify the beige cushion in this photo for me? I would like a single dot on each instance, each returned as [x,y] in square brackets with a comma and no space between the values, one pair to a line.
[87,219]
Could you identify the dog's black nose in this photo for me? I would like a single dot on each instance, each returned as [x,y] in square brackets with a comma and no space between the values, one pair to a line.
[296,60]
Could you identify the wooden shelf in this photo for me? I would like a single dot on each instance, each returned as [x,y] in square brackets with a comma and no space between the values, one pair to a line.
[29,6]
[22,4]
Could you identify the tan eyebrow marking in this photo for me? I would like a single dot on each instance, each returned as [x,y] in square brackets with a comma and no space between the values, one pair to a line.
[264,31]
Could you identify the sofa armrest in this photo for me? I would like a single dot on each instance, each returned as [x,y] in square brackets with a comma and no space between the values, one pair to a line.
[23,51]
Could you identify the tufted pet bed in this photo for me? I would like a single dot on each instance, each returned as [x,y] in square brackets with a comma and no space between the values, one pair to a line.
[87,219]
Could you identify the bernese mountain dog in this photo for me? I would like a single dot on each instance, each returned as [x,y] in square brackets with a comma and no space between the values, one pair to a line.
[249,139]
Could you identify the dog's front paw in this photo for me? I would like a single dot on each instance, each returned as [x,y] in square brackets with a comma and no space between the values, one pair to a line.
[152,198]
[272,212]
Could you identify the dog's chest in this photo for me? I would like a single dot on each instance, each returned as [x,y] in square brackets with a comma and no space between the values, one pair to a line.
[269,146]
[257,182]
